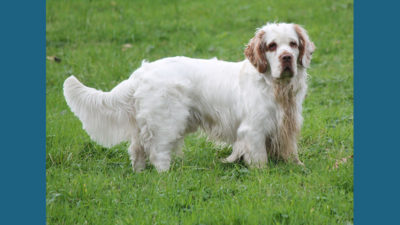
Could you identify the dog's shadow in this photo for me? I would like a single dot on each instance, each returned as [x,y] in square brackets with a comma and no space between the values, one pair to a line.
[213,160]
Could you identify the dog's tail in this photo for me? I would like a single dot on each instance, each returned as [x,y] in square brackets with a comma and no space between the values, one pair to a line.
[106,116]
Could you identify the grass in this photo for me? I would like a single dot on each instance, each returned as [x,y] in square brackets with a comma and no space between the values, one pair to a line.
[89,184]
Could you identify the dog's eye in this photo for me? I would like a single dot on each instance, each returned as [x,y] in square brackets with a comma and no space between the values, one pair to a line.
[293,44]
[272,46]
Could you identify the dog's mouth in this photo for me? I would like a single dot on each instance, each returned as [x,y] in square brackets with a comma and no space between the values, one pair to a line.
[287,72]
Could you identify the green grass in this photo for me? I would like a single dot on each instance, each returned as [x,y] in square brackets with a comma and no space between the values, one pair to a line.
[88,184]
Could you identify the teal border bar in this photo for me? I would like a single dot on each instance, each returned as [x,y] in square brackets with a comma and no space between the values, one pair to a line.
[377,112]
[22,96]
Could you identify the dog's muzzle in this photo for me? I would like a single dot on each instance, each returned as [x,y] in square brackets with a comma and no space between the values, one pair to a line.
[287,65]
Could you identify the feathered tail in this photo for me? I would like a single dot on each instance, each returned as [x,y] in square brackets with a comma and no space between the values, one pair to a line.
[106,116]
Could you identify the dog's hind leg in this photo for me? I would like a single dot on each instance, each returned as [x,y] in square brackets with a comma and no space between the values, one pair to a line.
[160,144]
[162,155]
[163,121]
[136,152]
[178,148]
[137,156]
[163,144]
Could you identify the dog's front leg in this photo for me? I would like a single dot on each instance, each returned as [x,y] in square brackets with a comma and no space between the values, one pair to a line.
[250,145]
[255,154]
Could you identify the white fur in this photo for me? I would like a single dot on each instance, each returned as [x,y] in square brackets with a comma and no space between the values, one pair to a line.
[166,99]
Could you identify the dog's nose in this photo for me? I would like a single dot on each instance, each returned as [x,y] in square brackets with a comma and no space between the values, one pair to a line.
[286,58]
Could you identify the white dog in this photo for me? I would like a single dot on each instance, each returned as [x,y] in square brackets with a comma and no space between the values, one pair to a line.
[255,104]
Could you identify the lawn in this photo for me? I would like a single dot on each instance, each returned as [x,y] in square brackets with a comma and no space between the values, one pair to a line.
[102,42]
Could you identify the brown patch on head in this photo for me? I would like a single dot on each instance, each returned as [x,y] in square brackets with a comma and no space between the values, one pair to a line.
[301,43]
[306,47]
[255,52]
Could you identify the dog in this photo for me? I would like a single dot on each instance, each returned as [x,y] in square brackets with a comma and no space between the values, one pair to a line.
[254,105]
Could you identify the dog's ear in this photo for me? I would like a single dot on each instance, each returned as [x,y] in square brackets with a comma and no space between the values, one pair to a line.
[306,46]
[255,52]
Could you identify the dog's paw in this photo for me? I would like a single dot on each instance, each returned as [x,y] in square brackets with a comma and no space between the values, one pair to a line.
[229,159]
[299,163]
[138,166]
[224,161]
[258,165]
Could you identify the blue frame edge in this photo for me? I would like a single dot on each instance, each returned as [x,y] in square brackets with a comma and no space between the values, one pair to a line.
[23,55]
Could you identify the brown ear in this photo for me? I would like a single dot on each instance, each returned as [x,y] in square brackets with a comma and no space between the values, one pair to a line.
[255,52]
[306,46]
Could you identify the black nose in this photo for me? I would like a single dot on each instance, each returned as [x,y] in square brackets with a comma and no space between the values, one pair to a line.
[286,58]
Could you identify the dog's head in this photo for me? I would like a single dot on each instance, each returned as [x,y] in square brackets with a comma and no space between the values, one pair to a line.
[280,48]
